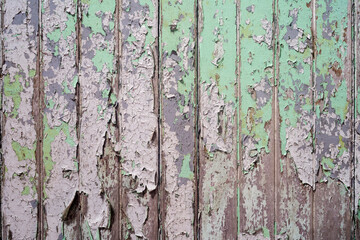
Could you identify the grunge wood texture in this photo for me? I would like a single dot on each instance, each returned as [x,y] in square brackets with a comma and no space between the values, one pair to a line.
[180,119]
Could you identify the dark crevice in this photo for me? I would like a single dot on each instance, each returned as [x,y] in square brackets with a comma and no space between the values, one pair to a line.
[37,112]
[197,125]
[78,105]
[313,84]
[2,125]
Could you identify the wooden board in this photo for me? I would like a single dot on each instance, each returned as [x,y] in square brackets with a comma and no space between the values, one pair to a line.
[333,101]
[295,168]
[217,119]
[20,108]
[257,119]
[139,106]
[178,108]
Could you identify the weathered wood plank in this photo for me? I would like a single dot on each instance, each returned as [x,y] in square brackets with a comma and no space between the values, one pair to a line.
[96,75]
[356,153]
[295,170]
[60,77]
[20,182]
[139,118]
[218,109]
[333,101]
[257,66]
[178,76]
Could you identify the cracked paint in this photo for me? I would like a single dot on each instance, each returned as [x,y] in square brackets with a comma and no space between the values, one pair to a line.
[217,96]
[178,107]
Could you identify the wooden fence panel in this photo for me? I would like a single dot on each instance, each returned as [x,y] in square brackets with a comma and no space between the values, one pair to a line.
[333,108]
[217,115]
[178,107]
[295,168]
[20,200]
[180,119]
[139,105]
[257,68]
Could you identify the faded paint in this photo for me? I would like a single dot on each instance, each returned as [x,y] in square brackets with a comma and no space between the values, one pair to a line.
[59,53]
[97,37]
[19,210]
[139,118]
[217,114]
[178,107]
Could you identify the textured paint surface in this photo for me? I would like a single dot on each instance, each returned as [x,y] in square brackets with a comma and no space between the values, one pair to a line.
[333,85]
[296,119]
[178,120]
[19,185]
[59,74]
[217,100]
[96,74]
[256,193]
[139,109]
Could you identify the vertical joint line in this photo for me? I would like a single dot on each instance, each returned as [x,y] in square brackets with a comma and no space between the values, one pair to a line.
[197,125]
[2,2]
[38,107]
[160,175]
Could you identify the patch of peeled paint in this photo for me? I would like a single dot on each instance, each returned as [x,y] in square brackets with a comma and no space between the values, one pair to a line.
[19,198]
[59,72]
[333,93]
[96,72]
[300,146]
[139,134]
[178,79]
[256,75]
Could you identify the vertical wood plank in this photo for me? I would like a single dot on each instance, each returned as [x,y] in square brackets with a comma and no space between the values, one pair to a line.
[96,75]
[19,186]
[333,103]
[357,116]
[218,109]
[60,77]
[178,76]
[139,118]
[257,66]
[296,171]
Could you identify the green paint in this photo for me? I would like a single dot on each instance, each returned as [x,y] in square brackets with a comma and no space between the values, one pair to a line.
[294,73]
[12,89]
[23,153]
[101,58]
[266,232]
[26,191]
[185,169]
[256,66]
[327,165]
[96,10]
[339,101]
[218,48]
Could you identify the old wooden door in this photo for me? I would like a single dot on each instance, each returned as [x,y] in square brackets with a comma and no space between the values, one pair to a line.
[180,119]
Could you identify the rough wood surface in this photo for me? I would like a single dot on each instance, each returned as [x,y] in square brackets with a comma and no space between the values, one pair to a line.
[178,76]
[257,67]
[217,114]
[139,118]
[180,119]
[20,199]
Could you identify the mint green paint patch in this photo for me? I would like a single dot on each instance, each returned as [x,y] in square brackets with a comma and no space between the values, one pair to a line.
[339,101]
[327,165]
[74,81]
[55,35]
[266,232]
[101,58]
[96,10]
[13,90]
[185,169]
[26,191]
[32,73]
[23,153]
[113,98]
